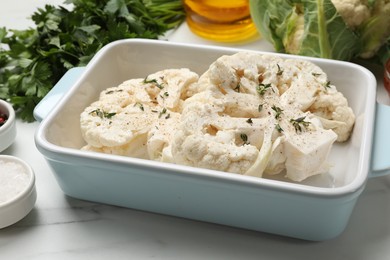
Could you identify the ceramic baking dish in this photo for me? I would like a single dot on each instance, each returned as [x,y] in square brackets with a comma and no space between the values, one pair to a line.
[316,209]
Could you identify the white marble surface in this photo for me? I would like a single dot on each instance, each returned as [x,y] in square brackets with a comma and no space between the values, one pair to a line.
[60,227]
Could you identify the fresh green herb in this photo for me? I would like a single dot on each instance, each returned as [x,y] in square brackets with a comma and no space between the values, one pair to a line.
[249,121]
[163,111]
[237,88]
[164,95]
[146,80]
[299,122]
[168,116]
[244,138]
[260,107]
[315,74]
[262,88]
[278,111]
[140,105]
[154,81]
[278,128]
[280,71]
[113,91]
[327,85]
[102,114]
[33,60]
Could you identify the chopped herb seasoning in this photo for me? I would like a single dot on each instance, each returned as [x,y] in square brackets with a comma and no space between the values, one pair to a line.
[244,138]
[163,111]
[299,122]
[102,114]
[168,116]
[316,74]
[154,81]
[164,95]
[260,107]
[140,105]
[237,88]
[280,71]
[249,121]
[262,88]
[327,85]
[278,111]
[113,91]
[278,128]
[146,80]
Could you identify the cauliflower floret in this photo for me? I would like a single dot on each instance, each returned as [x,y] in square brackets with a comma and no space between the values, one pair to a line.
[130,115]
[302,149]
[333,111]
[310,90]
[354,12]
[370,18]
[306,151]
[136,148]
[160,137]
[293,41]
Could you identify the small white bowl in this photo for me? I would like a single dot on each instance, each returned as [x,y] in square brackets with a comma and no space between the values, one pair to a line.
[8,130]
[17,190]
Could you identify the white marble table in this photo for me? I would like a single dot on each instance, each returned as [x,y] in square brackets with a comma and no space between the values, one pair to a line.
[60,227]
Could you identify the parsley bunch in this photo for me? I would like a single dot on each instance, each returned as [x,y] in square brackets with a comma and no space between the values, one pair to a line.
[33,60]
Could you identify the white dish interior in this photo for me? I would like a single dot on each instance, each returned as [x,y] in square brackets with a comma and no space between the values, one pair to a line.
[127,59]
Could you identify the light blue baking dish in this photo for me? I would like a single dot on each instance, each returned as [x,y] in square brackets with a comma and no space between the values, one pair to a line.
[316,209]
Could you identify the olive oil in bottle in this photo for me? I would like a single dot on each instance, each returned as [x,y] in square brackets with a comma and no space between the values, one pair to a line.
[221,20]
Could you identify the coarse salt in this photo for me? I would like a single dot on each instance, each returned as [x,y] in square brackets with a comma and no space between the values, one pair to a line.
[13,180]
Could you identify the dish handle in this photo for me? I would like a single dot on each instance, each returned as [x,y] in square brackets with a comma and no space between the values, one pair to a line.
[56,93]
[380,162]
